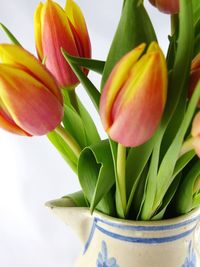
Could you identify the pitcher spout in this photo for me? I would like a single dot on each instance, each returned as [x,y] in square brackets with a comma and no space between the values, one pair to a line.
[78,218]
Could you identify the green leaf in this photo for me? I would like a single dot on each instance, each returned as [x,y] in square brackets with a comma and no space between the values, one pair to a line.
[196,45]
[197,27]
[124,3]
[150,187]
[64,150]
[96,176]
[184,197]
[91,64]
[134,28]
[138,196]
[174,124]
[178,79]
[196,201]
[87,84]
[10,35]
[196,10]
[179,101]
[77,198]
[171,52]
[167,198]
[91,132]
[183,161]
[165,174]
[74,125]
[136,162]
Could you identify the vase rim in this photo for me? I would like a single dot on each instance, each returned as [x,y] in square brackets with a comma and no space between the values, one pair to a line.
[191,216]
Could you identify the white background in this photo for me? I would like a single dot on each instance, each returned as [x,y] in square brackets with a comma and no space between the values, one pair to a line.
[31,170]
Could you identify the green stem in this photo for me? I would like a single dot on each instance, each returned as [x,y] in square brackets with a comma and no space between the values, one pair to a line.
[187,146]
[121,173]
[174,24]
[73,100]
[71,142]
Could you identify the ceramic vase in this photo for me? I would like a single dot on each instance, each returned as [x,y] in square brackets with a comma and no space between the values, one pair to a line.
[111,242]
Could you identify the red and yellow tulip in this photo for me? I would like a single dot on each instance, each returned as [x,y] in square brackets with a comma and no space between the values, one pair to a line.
[134,96]
[56,28]
[166,6]
[30,100]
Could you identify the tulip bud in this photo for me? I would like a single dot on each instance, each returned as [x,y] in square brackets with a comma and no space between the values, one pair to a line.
[194,75]
[134,96]
[56,28]
[166,6]
[30,100]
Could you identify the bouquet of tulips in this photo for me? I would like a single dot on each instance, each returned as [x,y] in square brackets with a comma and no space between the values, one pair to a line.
[148,168]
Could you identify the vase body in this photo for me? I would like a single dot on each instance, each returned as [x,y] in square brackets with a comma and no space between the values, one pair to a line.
[110,242]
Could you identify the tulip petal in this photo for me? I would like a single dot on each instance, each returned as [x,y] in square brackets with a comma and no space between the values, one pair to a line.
[76,17]
[148,65]
[31,105]
[132,104]
[9,125]
[116,80]
[56,33]
[37,31]
[166,6]
[20,58]
[77,40]
[136,117]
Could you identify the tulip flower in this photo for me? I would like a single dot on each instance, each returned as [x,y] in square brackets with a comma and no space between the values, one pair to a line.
[30,100]
[166,6]
[194,75]
[134,96]
[56,28]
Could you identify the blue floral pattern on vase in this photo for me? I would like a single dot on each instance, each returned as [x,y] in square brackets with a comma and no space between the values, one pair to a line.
[103,260]
[190,261]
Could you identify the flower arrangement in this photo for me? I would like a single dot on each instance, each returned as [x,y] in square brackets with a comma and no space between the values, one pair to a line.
[148,168]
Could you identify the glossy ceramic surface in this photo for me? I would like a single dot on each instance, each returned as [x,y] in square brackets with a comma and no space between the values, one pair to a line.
[110,242]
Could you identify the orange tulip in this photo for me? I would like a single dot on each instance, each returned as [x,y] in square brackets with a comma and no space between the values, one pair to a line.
[30,100]
[56,28]
[133,99]
[166,6]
